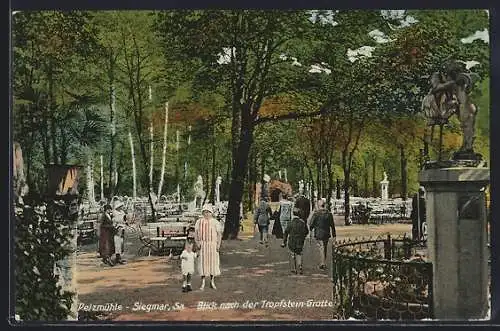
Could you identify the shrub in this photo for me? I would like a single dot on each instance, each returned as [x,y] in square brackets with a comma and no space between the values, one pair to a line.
[40,242]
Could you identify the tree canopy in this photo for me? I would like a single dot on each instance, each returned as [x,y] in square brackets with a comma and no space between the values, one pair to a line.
[326,94]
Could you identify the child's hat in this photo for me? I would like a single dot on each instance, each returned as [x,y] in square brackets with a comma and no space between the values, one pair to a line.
[207,207]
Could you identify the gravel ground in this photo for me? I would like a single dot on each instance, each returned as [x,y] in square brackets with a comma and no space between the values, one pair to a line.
[255,283]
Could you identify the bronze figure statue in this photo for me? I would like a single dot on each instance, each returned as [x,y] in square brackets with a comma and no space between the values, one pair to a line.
[449,95]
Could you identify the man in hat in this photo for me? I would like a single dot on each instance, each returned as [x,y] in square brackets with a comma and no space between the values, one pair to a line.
[295,235]
[119,222]
[208,238]
[322,223]
[304,206]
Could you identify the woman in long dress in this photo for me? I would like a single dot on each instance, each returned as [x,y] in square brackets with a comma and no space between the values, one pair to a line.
[106,243]
[208,238]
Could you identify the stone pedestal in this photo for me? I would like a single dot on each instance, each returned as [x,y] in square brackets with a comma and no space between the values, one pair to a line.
[384,189]
[457,241]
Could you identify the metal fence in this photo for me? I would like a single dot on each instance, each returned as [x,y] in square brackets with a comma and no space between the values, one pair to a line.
[381,278]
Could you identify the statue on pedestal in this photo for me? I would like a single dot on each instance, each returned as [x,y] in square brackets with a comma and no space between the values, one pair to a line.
[199,193]
[449,95]
[265,187]
[451,216]
[217,189]
[384,184]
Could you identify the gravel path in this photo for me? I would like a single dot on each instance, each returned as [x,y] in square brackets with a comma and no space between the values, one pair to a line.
[255,283]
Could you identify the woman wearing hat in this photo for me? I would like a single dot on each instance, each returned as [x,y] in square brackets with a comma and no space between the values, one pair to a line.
[119,219]
[106,246]
[208,238]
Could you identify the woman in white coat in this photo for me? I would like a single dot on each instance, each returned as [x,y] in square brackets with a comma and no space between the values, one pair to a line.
[208,238]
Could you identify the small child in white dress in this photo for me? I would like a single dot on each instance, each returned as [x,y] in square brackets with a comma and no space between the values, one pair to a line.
[187,266]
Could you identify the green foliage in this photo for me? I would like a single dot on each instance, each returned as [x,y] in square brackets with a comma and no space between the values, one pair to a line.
[39,243]
[83,53]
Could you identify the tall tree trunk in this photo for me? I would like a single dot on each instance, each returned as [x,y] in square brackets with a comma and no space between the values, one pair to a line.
[151,153]
[214,159]
[164,152]
[232,224]
[338,189]
[347,205]
[112,163]
[331,184]
[144,179]
[318,180]
[347,184]
[205,174]
[134,174]
[374,177]
[367,191]
[45,136]
[249,182]
[115,177]
[64,146]
[311,178]
[262,165]
[134,67]
[119,168]
[52,114]
[90,182]
[228,179]
[18,176]
[102,179]
[404,174]
[252,180]
[177,159]
[29,157]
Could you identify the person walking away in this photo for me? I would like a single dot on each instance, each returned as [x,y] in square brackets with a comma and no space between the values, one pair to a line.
[321,224]
[304,206]
[285,212]
[106,245]
[261,219]
[208,238]
[277,230]
[417,214]
[295,235]
[119,222]
[187,266]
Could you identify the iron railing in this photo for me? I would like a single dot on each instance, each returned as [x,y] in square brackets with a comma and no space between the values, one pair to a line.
[381,278]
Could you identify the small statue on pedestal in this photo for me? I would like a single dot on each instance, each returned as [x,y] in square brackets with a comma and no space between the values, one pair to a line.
[449,95]
[199,193]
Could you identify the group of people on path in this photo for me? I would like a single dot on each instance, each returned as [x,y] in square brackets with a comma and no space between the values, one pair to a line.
[202,255]
[292,216]
[204,251]
[293,223]
[111,234]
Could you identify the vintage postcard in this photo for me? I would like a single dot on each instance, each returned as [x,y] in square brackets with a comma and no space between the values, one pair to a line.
[251,165]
